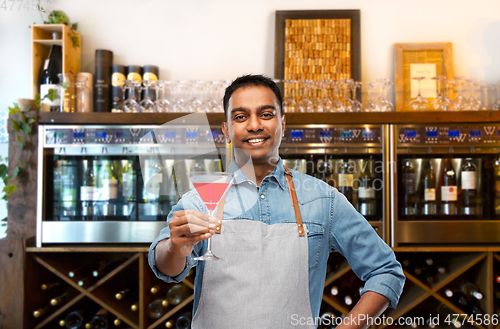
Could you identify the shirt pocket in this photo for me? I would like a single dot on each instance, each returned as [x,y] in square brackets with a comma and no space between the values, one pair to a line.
[315,233]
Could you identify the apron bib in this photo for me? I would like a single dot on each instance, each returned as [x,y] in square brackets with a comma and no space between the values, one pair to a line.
[262,280]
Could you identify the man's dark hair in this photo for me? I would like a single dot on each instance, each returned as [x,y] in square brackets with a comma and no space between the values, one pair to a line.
[251,80]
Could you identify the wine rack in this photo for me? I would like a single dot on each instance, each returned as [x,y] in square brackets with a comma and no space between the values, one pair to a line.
[421,293]
[130,275]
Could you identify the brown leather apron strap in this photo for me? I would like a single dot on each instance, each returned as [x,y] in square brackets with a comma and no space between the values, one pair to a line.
[295,203]
[293,196]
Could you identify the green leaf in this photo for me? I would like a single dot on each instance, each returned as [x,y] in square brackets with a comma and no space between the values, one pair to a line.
[26,128]
[75,41]
[16,172]
[14,110]
[21,146]
[4,171]
[74,26]
[31,120]
[9,189]
[64,85]
[15,125]
[37,100]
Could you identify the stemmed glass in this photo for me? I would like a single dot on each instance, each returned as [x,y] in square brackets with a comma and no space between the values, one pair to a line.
[178,102]
[289,105]
[130,104]
[356,105]
[194,104]
[147,104]
[440,103]
[337,106]
[162,104]
[474,103]
[326,104]
[305,104]
[419,103]
[460,101]
[496,105]
[371,106]
[383,103]
[211,187]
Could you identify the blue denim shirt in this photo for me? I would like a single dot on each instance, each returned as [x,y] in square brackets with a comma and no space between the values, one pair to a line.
[332,223]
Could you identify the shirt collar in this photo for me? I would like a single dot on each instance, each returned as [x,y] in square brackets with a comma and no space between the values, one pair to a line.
[278,173]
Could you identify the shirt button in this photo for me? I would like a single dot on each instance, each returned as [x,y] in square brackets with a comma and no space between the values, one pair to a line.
[262,196]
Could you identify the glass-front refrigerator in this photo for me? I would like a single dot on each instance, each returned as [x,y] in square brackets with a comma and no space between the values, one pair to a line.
[117,184]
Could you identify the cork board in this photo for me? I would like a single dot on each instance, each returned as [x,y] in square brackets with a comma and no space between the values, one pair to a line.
[432,59]
[316,45]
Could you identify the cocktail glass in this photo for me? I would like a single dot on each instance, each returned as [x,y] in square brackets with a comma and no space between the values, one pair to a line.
[211,188]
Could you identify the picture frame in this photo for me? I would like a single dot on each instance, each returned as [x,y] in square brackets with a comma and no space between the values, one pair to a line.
[420,59]
[317,45]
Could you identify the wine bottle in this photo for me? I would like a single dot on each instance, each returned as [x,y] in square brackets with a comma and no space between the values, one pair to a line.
[50,285]
[62,323]
[117,322]
[366,191]
[469,187]
[87,192]
[177,294]
[157,308]
[129,186]
[156,289]
[408,187]
[118,78]
[126,293]
[49,95]
[470,290]
[107,267]
[102,80]
[109,190]
[134,307]
[86,269]
[428,196]
[41,311]
[58,300]
[496,173]
[100,319]
[183,321]
[497,278]
[449,189]
[169,324]
[346,178]
[76,319]
[334,290]
[445,312]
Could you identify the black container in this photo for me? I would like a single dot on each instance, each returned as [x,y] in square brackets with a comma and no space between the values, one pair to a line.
[134,72]
[151,72]
[118,77]
[102,80]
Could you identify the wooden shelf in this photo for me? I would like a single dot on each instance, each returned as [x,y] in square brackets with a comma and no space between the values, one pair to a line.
[291,118]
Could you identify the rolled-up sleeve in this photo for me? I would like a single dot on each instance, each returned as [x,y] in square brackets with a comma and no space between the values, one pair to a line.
[371,259]
[188,201]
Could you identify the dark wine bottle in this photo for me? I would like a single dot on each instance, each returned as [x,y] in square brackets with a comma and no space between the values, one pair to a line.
[408,187]
[76,319]
[366,191]
[428,190]
[49,94]
[183,321]
[118,77]
[88,191]
[41,311]
[86,269]
[157,308]
[102,80]
[107,267]
[346,178]
[50,285]
[177,294]
[58,300]
[469,188]
[449,189]
[100,319]
[470,290]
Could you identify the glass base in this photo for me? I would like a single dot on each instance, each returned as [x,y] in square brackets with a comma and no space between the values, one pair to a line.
[208,256]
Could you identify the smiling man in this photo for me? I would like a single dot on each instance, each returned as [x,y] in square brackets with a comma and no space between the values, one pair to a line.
[279,227]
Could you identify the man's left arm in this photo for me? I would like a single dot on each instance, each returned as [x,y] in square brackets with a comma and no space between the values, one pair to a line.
[371,259]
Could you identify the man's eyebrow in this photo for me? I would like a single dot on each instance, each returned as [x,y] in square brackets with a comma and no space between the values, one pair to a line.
[265,107]
[261,108]
[238,109]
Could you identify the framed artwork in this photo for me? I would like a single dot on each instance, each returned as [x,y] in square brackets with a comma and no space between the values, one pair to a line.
[423,61]
[316,45]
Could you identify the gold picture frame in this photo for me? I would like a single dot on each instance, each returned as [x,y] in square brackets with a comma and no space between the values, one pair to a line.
[429,58]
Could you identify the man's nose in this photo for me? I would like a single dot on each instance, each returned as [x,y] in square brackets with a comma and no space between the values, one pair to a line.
[254,124]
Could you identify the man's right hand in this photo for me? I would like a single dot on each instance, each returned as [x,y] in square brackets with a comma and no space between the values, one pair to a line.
[187,228]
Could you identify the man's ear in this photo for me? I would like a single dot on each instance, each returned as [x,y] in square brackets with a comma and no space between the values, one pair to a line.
[226,132]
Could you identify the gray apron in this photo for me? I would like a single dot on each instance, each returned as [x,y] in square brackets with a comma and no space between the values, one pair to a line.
[263,279]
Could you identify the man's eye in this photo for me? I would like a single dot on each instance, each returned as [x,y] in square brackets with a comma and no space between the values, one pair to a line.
[269,115]
[239,117]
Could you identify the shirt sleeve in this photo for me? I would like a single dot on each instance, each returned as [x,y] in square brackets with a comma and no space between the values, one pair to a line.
[188,201]
[371,259]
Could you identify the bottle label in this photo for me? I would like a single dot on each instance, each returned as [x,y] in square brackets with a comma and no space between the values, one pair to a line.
[46,103]
[134,76]
[87,193]
[430,194]
[346,180]
[469,179]
[109,189]
[448,193]
[366,193]
[117,79]
[128,187]
[150,76]
[409,184]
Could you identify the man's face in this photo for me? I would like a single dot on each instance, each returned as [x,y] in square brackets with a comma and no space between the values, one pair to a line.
[255,123]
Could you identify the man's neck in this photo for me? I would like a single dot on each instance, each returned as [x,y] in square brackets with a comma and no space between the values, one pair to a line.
[260,170]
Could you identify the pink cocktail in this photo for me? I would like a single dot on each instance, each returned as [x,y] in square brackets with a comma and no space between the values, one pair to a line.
[211,188]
